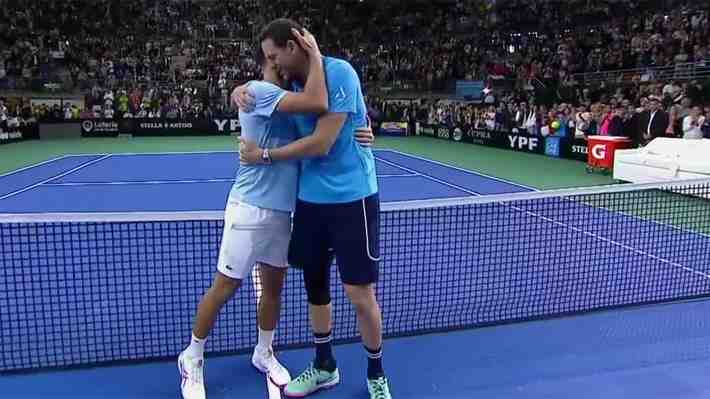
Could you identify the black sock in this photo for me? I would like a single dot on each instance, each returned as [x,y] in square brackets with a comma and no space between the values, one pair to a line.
[324,353]
[374,363]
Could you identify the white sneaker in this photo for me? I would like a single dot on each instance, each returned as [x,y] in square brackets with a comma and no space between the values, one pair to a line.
[191,371]
[266,362]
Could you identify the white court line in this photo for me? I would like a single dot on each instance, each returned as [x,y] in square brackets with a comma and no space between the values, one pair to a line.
[681,229]
[578,230]
[32,166]
[82,166]
[273,390]
[597,236]
[402,175]
[147,182]
[110,217]
[459,169]
[204,152]
[414,172]
[161,153]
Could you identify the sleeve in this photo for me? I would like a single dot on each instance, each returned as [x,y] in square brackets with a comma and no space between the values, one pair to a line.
[343,87]
[666,121]
[267,97]
[686,124]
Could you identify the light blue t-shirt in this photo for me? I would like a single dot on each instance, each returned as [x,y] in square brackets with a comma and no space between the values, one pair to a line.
[267,186]
[347,173]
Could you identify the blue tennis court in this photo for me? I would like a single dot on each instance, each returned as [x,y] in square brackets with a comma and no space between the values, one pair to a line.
[460,250]
[201,182]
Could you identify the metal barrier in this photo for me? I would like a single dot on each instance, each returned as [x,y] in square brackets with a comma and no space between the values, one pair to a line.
[682,71]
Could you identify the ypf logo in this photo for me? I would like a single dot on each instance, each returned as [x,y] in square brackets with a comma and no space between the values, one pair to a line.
[599,151]
[522,142]
[222,124]
[88,126]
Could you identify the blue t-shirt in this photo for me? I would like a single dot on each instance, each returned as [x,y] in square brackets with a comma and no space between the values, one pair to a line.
[347,173]
[267,186]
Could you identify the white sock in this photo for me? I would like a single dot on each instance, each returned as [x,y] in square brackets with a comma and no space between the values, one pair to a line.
[266,339]
[196,348]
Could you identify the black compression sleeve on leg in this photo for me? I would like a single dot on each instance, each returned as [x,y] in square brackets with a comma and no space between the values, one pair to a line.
[317,283]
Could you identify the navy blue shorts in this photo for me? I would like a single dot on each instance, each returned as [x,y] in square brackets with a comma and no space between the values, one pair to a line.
[349,231]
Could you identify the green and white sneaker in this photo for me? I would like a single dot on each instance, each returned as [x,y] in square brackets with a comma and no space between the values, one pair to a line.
[379,388]
[311,380]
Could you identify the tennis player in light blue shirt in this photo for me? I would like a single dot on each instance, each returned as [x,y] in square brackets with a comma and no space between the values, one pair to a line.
[337,212]
[269,128]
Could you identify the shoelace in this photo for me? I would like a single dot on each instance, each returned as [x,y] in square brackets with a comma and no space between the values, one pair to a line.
[307,375]
[379,388]
[195,368]
[271,363]
[276,366]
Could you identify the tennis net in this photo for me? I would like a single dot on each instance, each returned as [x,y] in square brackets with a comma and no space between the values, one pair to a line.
[86,289]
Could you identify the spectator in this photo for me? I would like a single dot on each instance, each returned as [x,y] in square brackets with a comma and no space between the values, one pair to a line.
[13,122]
[706,125]
[616,123]
[652,123]
[168,49]
[605,123]
[108,111]
[583,122]
[123,101]
[68,114]
[692,124]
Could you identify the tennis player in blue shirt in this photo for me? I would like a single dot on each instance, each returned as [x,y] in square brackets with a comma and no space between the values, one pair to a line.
[337,211]
[257,225]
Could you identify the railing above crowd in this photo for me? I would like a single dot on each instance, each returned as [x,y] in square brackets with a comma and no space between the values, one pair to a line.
[681,71]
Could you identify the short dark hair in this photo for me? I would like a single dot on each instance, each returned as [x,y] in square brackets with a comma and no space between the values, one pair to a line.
[279,30]
[259,55]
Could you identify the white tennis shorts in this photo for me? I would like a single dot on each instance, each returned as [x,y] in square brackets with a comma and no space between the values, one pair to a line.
[253,235]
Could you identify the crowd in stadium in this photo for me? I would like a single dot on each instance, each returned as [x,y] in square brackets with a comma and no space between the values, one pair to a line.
[181,58]
[620,114]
